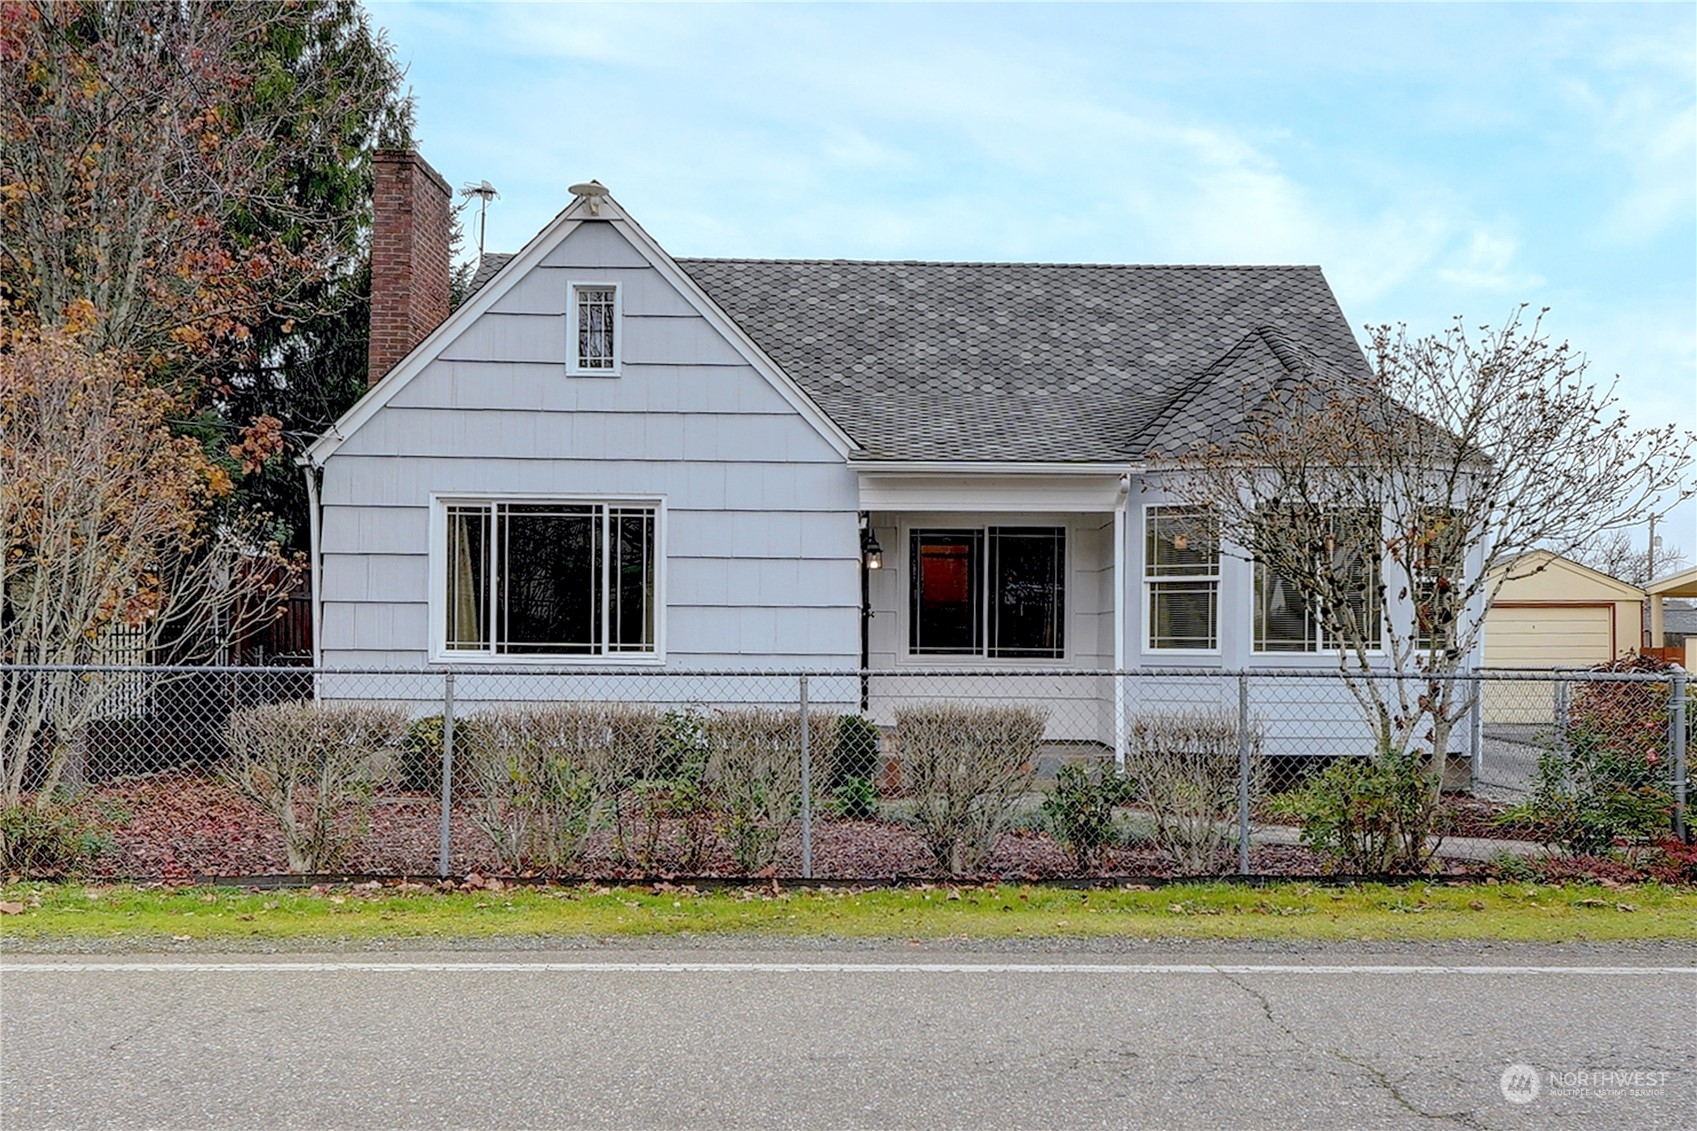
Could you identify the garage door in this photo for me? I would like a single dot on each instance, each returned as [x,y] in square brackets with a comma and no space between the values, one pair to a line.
[1561,636]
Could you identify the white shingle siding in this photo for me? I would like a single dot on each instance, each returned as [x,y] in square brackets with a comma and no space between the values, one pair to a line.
[760,525]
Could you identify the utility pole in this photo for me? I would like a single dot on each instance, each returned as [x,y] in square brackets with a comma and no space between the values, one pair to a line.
[1650,564]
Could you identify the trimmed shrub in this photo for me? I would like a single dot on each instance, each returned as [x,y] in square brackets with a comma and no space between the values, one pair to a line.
[547,775]
[1080,810]
[1371,816]
[967,768]
[754,767]
[670,783]
[856,755]
[311,767]
[38,842]
[419,767]
[1184,769]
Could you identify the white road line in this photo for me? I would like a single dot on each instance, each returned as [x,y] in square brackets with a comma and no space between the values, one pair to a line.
[476,967]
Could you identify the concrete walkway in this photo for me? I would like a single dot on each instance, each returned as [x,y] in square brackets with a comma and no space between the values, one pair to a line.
[1480,848]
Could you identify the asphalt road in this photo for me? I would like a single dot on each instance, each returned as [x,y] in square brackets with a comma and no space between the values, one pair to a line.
[868,1037]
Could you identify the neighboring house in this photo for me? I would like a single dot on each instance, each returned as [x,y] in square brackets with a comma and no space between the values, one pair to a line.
[613,459]
[1672,621]
[1679,623]
[1564,615]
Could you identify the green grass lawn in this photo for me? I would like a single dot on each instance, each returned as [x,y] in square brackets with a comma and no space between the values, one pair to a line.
[1415,912]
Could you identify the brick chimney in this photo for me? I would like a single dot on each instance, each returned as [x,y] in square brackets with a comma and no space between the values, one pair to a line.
[409,256]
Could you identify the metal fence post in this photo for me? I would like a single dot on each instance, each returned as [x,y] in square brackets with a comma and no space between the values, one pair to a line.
[1243,773]
[1676,724]
[1561,708]
[1475,730]
[806,789]
[1119,723]
[444,849]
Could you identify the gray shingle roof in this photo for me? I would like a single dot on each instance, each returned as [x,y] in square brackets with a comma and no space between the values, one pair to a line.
[1215,407]
[1680,618]
[1027,361]
[491,262]
[1017,361]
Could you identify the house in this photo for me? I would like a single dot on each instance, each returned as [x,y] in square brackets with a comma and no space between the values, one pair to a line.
[1673,624]
[609,458]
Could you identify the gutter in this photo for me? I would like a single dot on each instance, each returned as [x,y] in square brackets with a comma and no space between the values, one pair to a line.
[987,467]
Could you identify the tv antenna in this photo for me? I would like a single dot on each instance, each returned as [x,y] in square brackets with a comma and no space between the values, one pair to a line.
[485,192]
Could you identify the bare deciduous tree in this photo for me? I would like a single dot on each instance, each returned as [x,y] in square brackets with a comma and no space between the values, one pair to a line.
[1615,554]
[1396,502]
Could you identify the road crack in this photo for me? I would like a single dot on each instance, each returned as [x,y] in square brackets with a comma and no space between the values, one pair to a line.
[1374,1073]
[1378,1076]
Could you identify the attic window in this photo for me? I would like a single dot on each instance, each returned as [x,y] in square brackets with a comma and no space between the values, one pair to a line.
[595,333]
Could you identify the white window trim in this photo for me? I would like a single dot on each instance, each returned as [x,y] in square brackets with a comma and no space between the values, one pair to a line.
[903,648]
[1148,583]
[573,288]
[439,652]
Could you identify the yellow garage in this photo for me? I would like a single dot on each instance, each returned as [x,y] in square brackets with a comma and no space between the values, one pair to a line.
[1563,615]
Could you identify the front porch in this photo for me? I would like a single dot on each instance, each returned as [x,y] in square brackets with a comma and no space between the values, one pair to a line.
[1012,573]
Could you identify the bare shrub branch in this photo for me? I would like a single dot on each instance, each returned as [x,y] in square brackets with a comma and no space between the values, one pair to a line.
[548,775]
[754,765]
[1183,768]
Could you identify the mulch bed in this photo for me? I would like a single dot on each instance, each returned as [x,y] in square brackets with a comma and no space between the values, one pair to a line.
[1473,817]
[183,825]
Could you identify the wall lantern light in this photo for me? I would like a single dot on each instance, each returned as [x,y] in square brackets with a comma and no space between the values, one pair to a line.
[871,553]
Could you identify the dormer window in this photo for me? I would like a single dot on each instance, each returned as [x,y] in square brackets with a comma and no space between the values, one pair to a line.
[593,350]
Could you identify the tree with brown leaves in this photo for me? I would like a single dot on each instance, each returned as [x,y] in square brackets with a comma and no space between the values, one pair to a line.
[165,164]
[106,552]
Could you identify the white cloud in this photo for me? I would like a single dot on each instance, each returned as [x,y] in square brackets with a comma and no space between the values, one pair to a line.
[1487,263]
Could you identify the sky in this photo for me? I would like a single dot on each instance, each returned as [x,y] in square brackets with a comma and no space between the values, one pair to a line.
[1434,159]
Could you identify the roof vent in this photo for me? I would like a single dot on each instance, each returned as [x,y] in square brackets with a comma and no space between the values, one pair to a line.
[592,191]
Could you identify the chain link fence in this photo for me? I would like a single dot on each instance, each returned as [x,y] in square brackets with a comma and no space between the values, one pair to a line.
[845,775]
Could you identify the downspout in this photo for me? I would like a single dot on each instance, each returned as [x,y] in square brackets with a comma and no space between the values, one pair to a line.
[314,572]
[865,617]
[1121,501]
